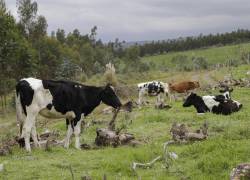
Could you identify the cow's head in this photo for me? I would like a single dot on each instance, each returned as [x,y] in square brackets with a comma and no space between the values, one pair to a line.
[190,100]
[226,92]
[109,97]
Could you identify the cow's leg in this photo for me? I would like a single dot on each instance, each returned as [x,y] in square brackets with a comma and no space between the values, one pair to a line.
[169,96]
[69,133]
[140,100]
[34,136]
[158,99]
[28,124]
[77,131]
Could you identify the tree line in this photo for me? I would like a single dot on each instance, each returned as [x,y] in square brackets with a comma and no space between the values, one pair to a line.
[188,43]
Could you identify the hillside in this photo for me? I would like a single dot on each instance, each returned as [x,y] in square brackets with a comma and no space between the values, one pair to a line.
[214,55]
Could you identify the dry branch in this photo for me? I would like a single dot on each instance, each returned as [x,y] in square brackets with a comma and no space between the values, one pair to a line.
[146,165]
[112,122]
[166,157]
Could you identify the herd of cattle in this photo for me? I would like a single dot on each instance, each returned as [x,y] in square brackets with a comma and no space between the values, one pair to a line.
[74,101]
[219,104]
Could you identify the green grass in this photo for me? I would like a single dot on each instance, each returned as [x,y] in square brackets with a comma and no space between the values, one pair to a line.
[228,143]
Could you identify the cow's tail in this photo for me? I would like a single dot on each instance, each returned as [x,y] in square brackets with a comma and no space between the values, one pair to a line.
[19,112]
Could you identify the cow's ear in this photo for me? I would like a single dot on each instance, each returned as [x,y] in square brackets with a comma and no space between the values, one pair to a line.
[193,94]
[222,91]
[109,85]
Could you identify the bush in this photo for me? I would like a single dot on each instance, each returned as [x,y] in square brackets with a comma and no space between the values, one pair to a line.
[200,63]
[142,67]
[182,63]
[109,74]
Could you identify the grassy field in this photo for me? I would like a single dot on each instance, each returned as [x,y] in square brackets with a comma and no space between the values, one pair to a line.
[214,55]
[228,143]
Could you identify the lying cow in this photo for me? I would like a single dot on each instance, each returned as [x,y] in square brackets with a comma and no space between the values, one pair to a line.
[215,104]
[183,87]
[153,88]
[58,99]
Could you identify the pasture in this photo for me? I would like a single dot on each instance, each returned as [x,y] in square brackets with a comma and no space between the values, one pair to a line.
[214,55]
[227,145]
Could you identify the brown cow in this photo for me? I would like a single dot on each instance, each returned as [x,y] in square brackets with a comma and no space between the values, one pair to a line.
[184,86]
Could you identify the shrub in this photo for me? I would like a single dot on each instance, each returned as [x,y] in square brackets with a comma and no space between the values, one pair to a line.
[109,74]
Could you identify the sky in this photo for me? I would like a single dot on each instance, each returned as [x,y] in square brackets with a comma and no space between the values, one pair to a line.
[139,20]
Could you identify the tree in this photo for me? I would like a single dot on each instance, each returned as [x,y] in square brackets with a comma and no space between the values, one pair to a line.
[27,12]
[93,35]
[60,35]
[67,70]
[14,51]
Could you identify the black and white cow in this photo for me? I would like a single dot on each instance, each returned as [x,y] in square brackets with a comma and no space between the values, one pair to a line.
[153,88]
[216,104]
[58,99]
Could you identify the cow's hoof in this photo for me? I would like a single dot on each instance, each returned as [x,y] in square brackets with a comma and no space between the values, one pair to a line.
[200,114]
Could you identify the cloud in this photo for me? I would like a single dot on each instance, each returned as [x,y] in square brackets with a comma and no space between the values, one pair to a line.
[133,20]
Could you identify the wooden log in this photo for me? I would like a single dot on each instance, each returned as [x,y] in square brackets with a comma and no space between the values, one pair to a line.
[180,133]
[162,105]
[107,137]
[242,171]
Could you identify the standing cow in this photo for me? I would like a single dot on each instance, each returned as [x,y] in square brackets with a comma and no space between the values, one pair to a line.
[153,88]
[182,87]
[58,99]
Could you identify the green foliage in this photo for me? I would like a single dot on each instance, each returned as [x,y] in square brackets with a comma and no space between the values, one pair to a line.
[200,63]
[132,54]
[68,70]
[27,12]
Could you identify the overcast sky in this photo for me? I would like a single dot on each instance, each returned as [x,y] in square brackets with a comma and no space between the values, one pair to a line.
[137,20]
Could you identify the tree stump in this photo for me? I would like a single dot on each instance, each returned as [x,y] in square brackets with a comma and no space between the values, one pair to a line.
[180,133]
[107,137]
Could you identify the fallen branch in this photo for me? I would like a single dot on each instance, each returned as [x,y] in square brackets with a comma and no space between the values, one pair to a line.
[146,165]
[112,122]
[166,156]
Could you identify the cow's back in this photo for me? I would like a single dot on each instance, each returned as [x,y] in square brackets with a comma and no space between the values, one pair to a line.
[184,86]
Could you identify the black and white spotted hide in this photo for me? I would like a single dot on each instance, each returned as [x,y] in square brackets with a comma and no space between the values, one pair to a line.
[58,99]
[153,88]
[214,104]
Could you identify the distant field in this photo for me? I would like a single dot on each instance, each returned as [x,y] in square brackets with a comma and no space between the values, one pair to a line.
[214,55]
